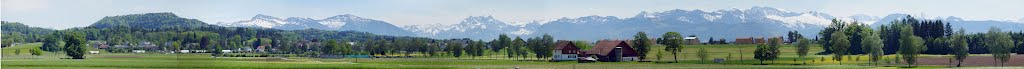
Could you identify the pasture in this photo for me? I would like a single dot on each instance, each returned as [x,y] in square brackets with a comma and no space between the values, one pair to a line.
[788,60]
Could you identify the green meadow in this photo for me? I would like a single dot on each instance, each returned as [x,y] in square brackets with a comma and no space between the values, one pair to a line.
[788,60]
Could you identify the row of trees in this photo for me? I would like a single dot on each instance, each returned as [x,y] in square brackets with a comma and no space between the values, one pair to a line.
[911,37]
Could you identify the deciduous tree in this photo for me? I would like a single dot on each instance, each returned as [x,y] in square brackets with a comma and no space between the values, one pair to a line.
[999,45]
[959,45]
[74,45]
[672,42]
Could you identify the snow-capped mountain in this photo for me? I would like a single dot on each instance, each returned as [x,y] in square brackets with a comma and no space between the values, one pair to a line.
[259,20]
[719,24]
[345,22]
[476,27]
[756,22]
[728,24]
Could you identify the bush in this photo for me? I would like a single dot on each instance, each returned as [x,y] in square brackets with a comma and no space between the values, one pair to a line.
[36,52]
[311,54]
[17,52]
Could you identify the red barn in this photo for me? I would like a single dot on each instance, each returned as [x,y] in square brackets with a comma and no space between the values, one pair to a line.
[613,51]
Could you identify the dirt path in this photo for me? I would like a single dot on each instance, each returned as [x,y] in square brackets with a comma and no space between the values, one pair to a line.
[1015,60]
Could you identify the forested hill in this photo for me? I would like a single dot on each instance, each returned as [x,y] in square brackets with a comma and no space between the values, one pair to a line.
[148,20]
[11,27]
[167,27]
[17,32]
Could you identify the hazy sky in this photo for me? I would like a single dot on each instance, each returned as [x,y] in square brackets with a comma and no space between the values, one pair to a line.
[61,14]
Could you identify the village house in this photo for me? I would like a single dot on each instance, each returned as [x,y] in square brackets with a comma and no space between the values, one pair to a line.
[612,51]
[564,51]
[100,45]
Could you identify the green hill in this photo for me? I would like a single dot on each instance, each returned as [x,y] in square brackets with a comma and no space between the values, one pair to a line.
[148,20]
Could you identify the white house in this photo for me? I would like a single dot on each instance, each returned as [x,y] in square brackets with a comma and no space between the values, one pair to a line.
[139,51]
[184,51]
[565,51]
[225,51]
[94,52]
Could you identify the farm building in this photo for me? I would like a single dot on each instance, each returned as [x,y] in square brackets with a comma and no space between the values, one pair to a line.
[564,50]
[779,38]
[692,40]
[612,51]
[750,40]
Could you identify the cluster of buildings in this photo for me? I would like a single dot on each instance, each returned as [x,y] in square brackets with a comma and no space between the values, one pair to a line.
[752,40]
[143,47]
[620,50]
[604,50]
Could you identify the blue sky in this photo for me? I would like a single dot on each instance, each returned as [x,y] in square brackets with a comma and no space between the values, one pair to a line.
[61,14]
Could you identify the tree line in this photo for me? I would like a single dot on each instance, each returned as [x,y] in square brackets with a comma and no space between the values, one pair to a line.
[910,37]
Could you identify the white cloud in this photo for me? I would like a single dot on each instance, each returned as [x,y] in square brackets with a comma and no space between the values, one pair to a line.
[23,5]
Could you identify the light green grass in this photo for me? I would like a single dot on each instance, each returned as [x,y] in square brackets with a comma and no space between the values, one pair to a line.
[491,61]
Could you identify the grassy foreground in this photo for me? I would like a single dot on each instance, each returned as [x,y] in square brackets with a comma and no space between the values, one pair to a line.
[51,60]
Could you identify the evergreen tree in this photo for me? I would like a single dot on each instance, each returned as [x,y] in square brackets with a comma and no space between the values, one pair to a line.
[455,49]
[794,36]
[50,43]
[503,42]
[642,44]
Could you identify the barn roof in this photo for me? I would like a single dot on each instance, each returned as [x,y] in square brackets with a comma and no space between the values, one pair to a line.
[603,47]
[562,44]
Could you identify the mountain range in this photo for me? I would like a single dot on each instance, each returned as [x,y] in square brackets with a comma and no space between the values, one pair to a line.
[718,24]
[345,22]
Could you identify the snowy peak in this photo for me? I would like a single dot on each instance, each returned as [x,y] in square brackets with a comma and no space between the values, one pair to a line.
[862,17]
[338,22]
[259,20]
[589,19]
[951,18]
[346,17]
[264,16]
[734,16]
[481,20]
[298,19]
[477,27]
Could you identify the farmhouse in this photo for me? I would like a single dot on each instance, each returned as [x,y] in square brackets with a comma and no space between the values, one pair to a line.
[612,51]
[564,50]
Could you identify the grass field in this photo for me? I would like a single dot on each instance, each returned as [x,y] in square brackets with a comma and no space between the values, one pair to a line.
[51,60]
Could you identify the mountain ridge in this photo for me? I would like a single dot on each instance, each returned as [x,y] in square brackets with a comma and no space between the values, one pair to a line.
[750,22]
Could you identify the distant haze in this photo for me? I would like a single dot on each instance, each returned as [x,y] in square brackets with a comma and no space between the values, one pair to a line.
[61,14]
